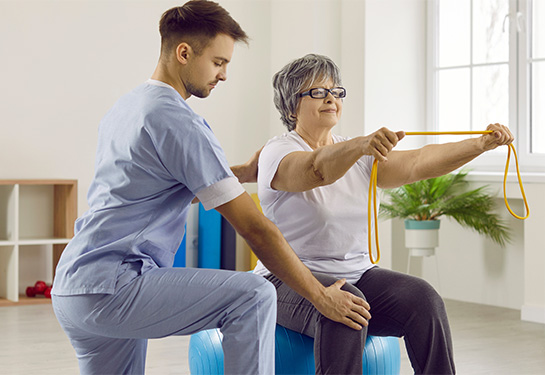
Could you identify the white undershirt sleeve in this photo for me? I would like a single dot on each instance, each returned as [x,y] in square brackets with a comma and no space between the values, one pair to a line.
[220,193]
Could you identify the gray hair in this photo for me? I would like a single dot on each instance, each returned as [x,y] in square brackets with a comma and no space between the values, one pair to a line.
[298,75]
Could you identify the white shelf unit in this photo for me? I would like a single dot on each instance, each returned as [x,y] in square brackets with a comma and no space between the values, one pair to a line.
[33,213]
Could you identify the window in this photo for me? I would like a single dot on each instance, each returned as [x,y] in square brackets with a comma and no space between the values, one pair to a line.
[487,65]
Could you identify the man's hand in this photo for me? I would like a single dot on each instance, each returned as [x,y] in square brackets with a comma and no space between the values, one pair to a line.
[247,172]
[343,307]
[501,136]
[380,143]
[275,253]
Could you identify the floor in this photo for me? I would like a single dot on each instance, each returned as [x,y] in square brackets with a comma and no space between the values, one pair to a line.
[487,340]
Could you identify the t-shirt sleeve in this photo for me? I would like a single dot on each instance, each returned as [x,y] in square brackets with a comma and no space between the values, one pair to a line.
[271,156]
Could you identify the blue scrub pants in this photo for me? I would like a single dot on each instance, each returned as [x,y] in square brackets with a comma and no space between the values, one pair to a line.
[109,332]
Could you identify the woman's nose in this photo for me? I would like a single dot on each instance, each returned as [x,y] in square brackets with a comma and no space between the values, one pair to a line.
[329,98]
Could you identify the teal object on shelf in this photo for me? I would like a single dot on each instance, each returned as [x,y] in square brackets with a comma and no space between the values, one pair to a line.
[294,353]
[209,239]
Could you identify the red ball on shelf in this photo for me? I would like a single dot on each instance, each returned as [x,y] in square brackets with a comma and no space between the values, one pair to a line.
[47,292]
[30,291]
[40,287]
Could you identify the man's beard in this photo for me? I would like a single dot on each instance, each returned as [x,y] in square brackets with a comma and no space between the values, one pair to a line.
[198,92]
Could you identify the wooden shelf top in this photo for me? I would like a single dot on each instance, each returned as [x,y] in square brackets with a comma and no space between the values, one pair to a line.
[38,182]
[43,241]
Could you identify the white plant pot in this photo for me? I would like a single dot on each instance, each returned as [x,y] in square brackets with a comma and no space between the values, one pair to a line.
[421,237]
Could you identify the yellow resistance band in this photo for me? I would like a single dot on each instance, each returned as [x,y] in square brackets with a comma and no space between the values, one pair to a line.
[373,187]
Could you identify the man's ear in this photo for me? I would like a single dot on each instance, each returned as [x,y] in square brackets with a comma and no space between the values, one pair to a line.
[183,52]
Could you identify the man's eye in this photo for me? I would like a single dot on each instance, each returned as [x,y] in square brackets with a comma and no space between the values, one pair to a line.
[218,64]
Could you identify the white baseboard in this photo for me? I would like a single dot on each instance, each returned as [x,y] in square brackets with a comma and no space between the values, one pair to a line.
[532,313]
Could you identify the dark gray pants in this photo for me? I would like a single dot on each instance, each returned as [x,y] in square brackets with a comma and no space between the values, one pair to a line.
[401,305]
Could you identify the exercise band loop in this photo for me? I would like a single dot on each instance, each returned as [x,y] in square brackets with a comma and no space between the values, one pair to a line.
[373,187]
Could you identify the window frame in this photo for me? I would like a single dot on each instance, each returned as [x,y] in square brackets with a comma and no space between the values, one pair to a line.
[519,88]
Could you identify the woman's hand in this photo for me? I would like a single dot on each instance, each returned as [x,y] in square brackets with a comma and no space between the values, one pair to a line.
[380,143]
[501,136]
[344,307]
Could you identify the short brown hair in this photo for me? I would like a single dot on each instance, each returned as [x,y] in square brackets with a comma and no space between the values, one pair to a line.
[197,22]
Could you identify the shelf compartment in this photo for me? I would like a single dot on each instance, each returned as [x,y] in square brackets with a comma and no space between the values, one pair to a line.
[33,213]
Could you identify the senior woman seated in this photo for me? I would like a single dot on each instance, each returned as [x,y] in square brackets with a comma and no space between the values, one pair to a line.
[313,185]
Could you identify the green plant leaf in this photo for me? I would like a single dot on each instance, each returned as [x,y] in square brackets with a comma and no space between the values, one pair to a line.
[447,196]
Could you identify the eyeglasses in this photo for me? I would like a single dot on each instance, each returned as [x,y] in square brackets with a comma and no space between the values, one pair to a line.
[320,92]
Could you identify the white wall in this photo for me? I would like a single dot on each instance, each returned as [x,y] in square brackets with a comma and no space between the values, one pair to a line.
[66,62]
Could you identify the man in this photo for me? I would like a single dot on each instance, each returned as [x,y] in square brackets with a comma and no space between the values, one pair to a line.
[114,285]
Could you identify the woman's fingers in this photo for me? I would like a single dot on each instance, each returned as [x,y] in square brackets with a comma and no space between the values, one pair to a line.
[501,135]
[382,142]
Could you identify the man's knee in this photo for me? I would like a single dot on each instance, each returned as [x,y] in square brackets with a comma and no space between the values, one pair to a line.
[259,289]
[257,296]
[266,291]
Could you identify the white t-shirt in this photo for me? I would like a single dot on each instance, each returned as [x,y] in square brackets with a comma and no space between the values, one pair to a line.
[325,226]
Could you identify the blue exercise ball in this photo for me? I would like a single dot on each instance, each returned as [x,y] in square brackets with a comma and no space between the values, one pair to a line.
[294,353]
[206,353]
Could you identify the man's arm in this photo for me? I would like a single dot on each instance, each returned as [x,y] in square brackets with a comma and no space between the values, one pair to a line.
[246,172]
[273,250]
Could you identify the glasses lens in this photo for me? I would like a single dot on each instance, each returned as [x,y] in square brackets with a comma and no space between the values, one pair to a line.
[318,93]
[338,92]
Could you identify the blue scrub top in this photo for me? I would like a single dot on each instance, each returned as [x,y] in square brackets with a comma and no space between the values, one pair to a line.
[154,155]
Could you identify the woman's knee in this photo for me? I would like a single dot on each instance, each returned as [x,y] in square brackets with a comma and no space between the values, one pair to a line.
[328,280]
[353,289]
[426,299]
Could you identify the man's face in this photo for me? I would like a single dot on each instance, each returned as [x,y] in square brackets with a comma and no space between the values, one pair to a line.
[210,67]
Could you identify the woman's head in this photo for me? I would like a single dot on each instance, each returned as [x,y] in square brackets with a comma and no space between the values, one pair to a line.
[297,77]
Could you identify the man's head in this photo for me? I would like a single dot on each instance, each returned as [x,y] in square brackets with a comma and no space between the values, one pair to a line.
[197,41]
[196,23]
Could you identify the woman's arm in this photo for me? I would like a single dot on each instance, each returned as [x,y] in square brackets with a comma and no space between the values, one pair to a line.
[302,171]
[405,167]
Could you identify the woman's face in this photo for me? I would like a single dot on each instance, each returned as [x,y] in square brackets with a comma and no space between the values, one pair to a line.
[319,113]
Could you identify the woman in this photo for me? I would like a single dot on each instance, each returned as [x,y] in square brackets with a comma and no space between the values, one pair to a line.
[313,185]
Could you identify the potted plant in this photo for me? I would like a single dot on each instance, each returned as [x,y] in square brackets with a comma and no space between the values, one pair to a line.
[422,203]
